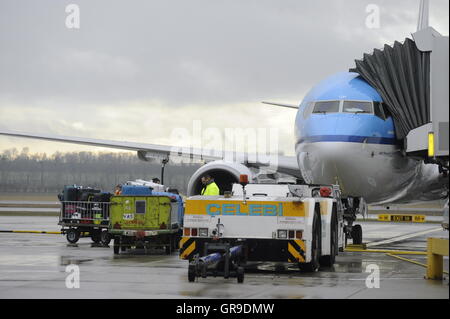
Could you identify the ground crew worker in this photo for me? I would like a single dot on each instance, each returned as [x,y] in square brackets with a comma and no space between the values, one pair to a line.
[210,188]
[118,190]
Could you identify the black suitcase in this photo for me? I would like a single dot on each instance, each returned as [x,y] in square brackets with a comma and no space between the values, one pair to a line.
[102,197]
[70,193]
[85,194]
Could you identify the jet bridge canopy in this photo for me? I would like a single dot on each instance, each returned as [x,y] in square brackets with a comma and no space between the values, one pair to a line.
[412,79]
[401,75]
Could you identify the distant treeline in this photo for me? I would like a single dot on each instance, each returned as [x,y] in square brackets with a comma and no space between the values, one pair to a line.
[42,173]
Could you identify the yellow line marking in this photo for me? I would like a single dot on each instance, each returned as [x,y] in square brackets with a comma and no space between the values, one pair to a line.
[411,261]
[36,232]
[386,251]
[403,237]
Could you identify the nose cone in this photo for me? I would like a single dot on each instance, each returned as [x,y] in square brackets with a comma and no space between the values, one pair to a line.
[373,171]
[356,150]
[346,149]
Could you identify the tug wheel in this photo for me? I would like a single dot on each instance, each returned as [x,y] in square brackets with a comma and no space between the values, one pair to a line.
[316,245]
[328,260]
[191,273]
[240,275]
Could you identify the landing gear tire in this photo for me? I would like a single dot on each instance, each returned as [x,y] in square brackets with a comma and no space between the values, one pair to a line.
[357,235]
[316,244]
[73,235]
[329,260]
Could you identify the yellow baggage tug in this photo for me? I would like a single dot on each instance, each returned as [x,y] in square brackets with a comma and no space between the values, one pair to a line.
[301,224]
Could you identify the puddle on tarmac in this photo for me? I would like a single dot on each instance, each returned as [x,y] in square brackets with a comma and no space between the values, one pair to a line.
[70,260]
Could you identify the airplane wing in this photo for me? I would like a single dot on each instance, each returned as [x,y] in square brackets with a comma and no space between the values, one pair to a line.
[150,152]
[289,106]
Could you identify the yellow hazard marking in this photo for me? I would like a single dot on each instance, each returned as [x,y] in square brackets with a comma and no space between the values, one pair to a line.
[301,244]
[294,252]
[401,218]
[188,251]
[182,241]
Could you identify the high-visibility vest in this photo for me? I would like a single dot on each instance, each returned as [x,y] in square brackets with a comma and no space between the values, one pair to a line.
[211,190]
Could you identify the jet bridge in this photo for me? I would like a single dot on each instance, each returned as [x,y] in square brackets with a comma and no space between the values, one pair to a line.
[412,78]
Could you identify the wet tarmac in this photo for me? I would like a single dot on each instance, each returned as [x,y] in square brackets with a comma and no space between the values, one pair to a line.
[34,266]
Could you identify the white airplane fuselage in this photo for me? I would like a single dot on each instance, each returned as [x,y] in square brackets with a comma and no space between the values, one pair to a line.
[343,136]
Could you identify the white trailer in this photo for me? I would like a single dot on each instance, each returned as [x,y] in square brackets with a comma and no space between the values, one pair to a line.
[301,224]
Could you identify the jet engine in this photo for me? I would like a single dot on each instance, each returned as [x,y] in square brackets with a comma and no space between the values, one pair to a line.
[225,174]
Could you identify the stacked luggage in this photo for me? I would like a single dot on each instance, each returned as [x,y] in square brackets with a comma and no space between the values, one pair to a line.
[84,212]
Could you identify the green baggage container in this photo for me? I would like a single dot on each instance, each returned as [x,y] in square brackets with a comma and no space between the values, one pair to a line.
[144,221]
[140,212]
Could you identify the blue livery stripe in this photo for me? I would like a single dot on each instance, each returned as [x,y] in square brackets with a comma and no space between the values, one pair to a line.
[350,138]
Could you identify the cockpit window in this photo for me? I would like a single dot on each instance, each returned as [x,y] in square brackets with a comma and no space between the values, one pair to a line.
[380,110]
[326,107]
[357,107]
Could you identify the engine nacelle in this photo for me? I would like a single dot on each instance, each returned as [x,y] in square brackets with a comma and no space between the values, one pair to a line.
[225,174]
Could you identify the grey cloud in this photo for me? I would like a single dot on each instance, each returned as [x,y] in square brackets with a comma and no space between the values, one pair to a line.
[137,69]
[184,52]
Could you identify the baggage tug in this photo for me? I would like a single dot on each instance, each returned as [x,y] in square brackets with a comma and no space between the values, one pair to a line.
[300,224]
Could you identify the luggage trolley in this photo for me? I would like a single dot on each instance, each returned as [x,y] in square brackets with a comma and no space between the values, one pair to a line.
[88,217]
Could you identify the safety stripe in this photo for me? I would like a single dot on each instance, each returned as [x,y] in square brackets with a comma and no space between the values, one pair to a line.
[187,247]
[296,251]
[301,247]
[183,240]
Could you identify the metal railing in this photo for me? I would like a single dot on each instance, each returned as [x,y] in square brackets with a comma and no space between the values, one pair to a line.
[88,213]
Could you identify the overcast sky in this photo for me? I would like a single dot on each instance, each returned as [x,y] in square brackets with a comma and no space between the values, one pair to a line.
[135,70]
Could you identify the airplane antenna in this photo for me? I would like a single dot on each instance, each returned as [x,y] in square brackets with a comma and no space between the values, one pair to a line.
[423,21]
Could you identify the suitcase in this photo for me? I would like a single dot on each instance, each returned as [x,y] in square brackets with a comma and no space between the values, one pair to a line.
[102,197]
[132,190]
[86,194]
[70,193]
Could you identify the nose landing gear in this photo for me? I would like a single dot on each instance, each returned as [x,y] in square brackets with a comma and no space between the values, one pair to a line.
[353,207]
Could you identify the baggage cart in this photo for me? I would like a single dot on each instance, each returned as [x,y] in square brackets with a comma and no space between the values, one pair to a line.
[85,219]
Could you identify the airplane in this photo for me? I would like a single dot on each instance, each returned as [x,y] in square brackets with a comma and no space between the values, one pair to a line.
[344,135]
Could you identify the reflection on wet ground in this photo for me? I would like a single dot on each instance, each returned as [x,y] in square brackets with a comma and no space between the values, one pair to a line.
[34,266]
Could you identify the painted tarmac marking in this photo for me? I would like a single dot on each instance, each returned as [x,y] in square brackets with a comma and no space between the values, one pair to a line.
[403,237]
[31,232]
